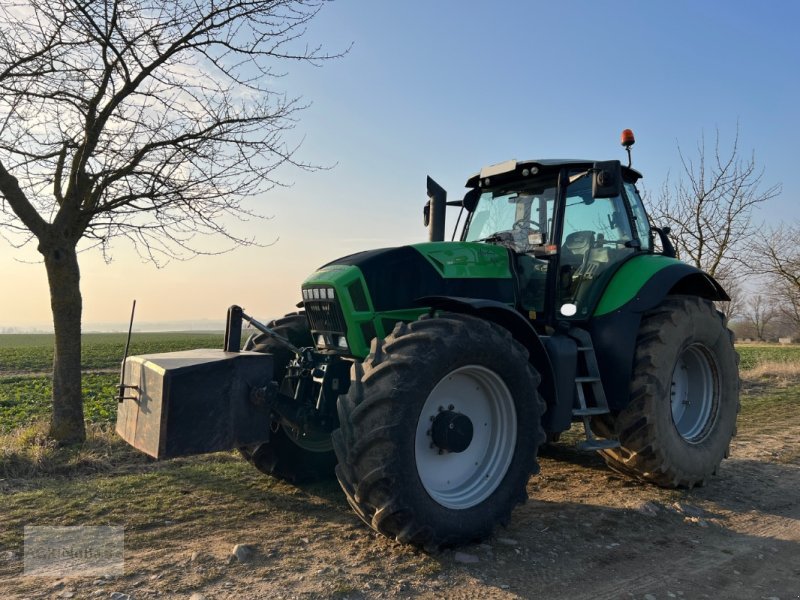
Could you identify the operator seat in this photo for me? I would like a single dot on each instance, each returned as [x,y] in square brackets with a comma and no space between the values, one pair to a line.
[576,247]
[574,253]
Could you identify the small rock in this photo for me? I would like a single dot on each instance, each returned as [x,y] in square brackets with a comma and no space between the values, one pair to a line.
[194,557]
[485,547]
[649,597]
[688,509]
[504,586]
[197,596]
[67,594]
[9,555]
[243,552]
[671,595]
[735,572]
[507,541]
[463,557]
[304,540]
[651,509]
[119,596]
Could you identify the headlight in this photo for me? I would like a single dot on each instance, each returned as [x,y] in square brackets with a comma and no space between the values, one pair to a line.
[342,342]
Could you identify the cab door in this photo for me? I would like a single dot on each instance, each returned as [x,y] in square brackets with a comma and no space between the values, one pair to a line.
[596,235]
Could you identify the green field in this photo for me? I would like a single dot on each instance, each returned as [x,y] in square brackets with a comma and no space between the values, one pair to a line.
[751,355]
[26,359]
[34,353]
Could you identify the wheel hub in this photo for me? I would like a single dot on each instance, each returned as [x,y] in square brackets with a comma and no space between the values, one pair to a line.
[452,431]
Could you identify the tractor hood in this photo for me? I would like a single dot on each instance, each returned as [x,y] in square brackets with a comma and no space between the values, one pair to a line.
[397,277]
[363,295]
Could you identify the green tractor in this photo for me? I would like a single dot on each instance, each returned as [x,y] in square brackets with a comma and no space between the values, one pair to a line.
[427,376]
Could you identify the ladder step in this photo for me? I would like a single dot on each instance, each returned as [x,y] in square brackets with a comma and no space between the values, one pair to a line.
[596,444]
[588,412]
[587,379]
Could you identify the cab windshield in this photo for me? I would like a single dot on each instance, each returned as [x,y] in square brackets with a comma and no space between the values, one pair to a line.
[520,218]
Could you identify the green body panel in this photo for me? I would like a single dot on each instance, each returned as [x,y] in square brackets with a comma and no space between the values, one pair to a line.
[630,278]
[340,277]
[466,259]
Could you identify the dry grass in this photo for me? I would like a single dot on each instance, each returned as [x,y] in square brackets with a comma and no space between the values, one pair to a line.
[780,374]
[27,452]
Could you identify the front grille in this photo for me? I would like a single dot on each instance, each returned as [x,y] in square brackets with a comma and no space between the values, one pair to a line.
[323,310]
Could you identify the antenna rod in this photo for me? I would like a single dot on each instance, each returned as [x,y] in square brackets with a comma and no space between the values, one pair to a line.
[122,386]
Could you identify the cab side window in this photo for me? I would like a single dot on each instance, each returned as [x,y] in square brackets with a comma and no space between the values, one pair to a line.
[641,222]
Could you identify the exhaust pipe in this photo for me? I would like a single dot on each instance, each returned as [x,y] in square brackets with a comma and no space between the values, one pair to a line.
[435,211]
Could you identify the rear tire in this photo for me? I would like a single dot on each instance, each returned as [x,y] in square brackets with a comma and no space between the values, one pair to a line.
[285,456]
[390,465]
[684,398]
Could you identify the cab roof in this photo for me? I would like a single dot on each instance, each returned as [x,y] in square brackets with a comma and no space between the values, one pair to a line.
[513,169]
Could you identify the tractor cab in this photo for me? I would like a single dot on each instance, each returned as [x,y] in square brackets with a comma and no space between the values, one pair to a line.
[568,223]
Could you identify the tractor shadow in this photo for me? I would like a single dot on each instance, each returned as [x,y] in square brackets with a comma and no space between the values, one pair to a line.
[567,452]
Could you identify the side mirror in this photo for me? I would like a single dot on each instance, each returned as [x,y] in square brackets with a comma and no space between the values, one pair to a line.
[470,200]
[606,179]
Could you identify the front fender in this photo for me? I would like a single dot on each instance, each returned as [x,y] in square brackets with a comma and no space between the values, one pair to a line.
[508,318]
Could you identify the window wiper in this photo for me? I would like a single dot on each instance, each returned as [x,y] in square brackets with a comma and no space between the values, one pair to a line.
[497,236]
[577,176]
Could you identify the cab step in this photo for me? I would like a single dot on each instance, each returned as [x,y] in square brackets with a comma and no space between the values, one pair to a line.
[591,396]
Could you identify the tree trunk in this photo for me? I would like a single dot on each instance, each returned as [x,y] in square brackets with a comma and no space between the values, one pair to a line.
[63,275]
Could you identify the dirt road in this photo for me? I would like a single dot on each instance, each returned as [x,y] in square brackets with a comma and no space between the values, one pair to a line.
[585,533]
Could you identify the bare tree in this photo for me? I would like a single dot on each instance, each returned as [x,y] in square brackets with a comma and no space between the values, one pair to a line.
[709,209]
[778,257]
[759,314]
[142,119]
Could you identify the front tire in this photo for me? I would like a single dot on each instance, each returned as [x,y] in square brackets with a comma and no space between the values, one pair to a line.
[681,417]
[285,456]
[439,431]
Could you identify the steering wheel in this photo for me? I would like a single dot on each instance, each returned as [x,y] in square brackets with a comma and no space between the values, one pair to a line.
[526,223]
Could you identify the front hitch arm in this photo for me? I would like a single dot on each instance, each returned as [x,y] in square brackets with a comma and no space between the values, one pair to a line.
[233,331]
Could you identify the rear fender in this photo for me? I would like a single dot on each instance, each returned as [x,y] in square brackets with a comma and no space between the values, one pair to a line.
[614,329]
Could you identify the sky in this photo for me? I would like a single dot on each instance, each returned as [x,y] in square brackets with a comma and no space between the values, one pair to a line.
[442,88]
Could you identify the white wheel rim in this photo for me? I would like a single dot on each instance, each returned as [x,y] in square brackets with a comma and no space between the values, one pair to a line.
[694,394]
[461,480]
